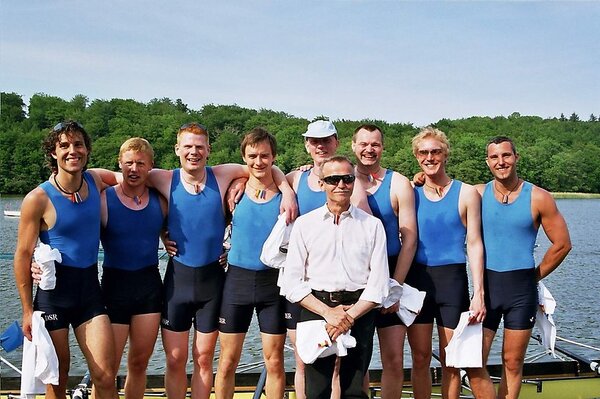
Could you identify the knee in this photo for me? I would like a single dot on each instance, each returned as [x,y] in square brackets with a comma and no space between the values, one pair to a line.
[393,363]
[513,364]
[104,379]
[137,364]
[203,360]
[274,364]
[421,359]
[176,361]
[227,366]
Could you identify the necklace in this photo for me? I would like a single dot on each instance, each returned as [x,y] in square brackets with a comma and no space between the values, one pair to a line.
[439,190]
[505,196]
[371,177]
[196,186]
[136,198]
[74,195]
[260,193]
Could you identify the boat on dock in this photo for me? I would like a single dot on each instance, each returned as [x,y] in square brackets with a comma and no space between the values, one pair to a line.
[12,214]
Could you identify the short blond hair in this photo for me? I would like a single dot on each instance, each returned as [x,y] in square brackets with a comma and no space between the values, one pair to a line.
[431,132]
[137,144]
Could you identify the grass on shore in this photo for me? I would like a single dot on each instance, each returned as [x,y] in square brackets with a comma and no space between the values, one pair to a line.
[560,195]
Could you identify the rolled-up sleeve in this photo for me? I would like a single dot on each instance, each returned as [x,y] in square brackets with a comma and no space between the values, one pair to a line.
[294,285]
[377,288]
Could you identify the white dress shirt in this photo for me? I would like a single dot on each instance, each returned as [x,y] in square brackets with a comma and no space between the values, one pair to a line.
[347,256]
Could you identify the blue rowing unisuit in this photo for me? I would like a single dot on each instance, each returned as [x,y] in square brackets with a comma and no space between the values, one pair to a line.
[130,238]
[251,225]
[381,206]
[196,222]
[441,231]
[308,200]
[508,231]
[76,232]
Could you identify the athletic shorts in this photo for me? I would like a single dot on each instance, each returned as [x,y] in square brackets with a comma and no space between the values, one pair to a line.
[192,295]
[510,295]
[388,319]
[246,290]
[292,314]
[76,298]
[128,293]
[447,289]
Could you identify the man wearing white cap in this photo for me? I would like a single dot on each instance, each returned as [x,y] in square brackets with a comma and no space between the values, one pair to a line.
[321,142]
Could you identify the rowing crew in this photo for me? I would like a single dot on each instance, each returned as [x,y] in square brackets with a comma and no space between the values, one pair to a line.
[334,260]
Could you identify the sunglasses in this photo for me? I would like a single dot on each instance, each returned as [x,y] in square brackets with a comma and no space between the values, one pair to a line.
[334,180]
[59,127]
[193,124]
[434,152]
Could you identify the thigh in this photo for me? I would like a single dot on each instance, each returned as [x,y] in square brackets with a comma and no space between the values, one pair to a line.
[95,338]
[270,310]
[143,334]
[273,346]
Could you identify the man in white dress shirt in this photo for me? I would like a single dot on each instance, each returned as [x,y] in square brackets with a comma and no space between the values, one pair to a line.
[337,270]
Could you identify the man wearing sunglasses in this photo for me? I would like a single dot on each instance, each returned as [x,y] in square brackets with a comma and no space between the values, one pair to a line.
[336,268]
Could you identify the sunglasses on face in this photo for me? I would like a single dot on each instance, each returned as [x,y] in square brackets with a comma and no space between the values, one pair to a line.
[434,152]
[334,180]
[59,127]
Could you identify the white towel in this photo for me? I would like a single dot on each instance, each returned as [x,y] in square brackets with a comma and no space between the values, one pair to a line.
[40,363]
[274,250]
[465,349]
[45,257]
[312,341]
[411,301]
[544,320]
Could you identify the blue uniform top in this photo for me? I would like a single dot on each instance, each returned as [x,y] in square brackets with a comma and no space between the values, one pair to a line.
[196,222]
[76,233]
[130,238]
[508,231]
[442,233]
[251,225]
[308,200]
[381,206]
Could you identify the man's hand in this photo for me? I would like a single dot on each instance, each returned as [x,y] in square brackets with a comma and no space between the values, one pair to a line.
[36,275]
[477,308]
[289,205]
[170,246]
[235,192]
[392,309]
[26,325]
[304,168]
[418,179]
[338,318]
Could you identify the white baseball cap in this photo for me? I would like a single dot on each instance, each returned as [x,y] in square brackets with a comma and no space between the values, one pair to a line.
[319,129]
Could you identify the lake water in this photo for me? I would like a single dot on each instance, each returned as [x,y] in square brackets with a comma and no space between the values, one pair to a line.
[575,285]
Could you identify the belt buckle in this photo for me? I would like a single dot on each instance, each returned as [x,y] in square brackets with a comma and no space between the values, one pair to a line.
[333,297]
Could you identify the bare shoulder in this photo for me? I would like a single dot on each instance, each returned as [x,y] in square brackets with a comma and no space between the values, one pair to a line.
[401,181]
[542,200]
[293,177]
[229,171]
[469,194]
[34,203]
[100,185]
[480,188]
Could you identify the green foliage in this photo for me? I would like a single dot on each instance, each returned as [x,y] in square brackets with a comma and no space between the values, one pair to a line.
[559,154]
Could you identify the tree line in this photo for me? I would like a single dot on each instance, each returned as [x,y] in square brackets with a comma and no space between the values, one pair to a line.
[558,154]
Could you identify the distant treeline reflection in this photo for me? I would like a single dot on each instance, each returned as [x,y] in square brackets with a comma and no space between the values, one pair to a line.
[558,154]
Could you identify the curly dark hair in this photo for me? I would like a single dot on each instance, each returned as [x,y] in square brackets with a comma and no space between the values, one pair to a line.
[70,128]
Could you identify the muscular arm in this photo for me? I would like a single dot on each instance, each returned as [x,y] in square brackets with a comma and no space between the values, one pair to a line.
[471,203]
[556,230]
[407,222]
[32,212]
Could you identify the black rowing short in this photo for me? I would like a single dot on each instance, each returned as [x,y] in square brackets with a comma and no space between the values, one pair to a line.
[510,295]
[447,289]
[246,290]
[192,294]
[76,298]
[128,293]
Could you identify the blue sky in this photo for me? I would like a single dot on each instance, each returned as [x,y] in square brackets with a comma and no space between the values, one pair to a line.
[412,62]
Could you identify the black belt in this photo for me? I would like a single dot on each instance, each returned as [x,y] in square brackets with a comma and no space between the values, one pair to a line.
[342,297]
